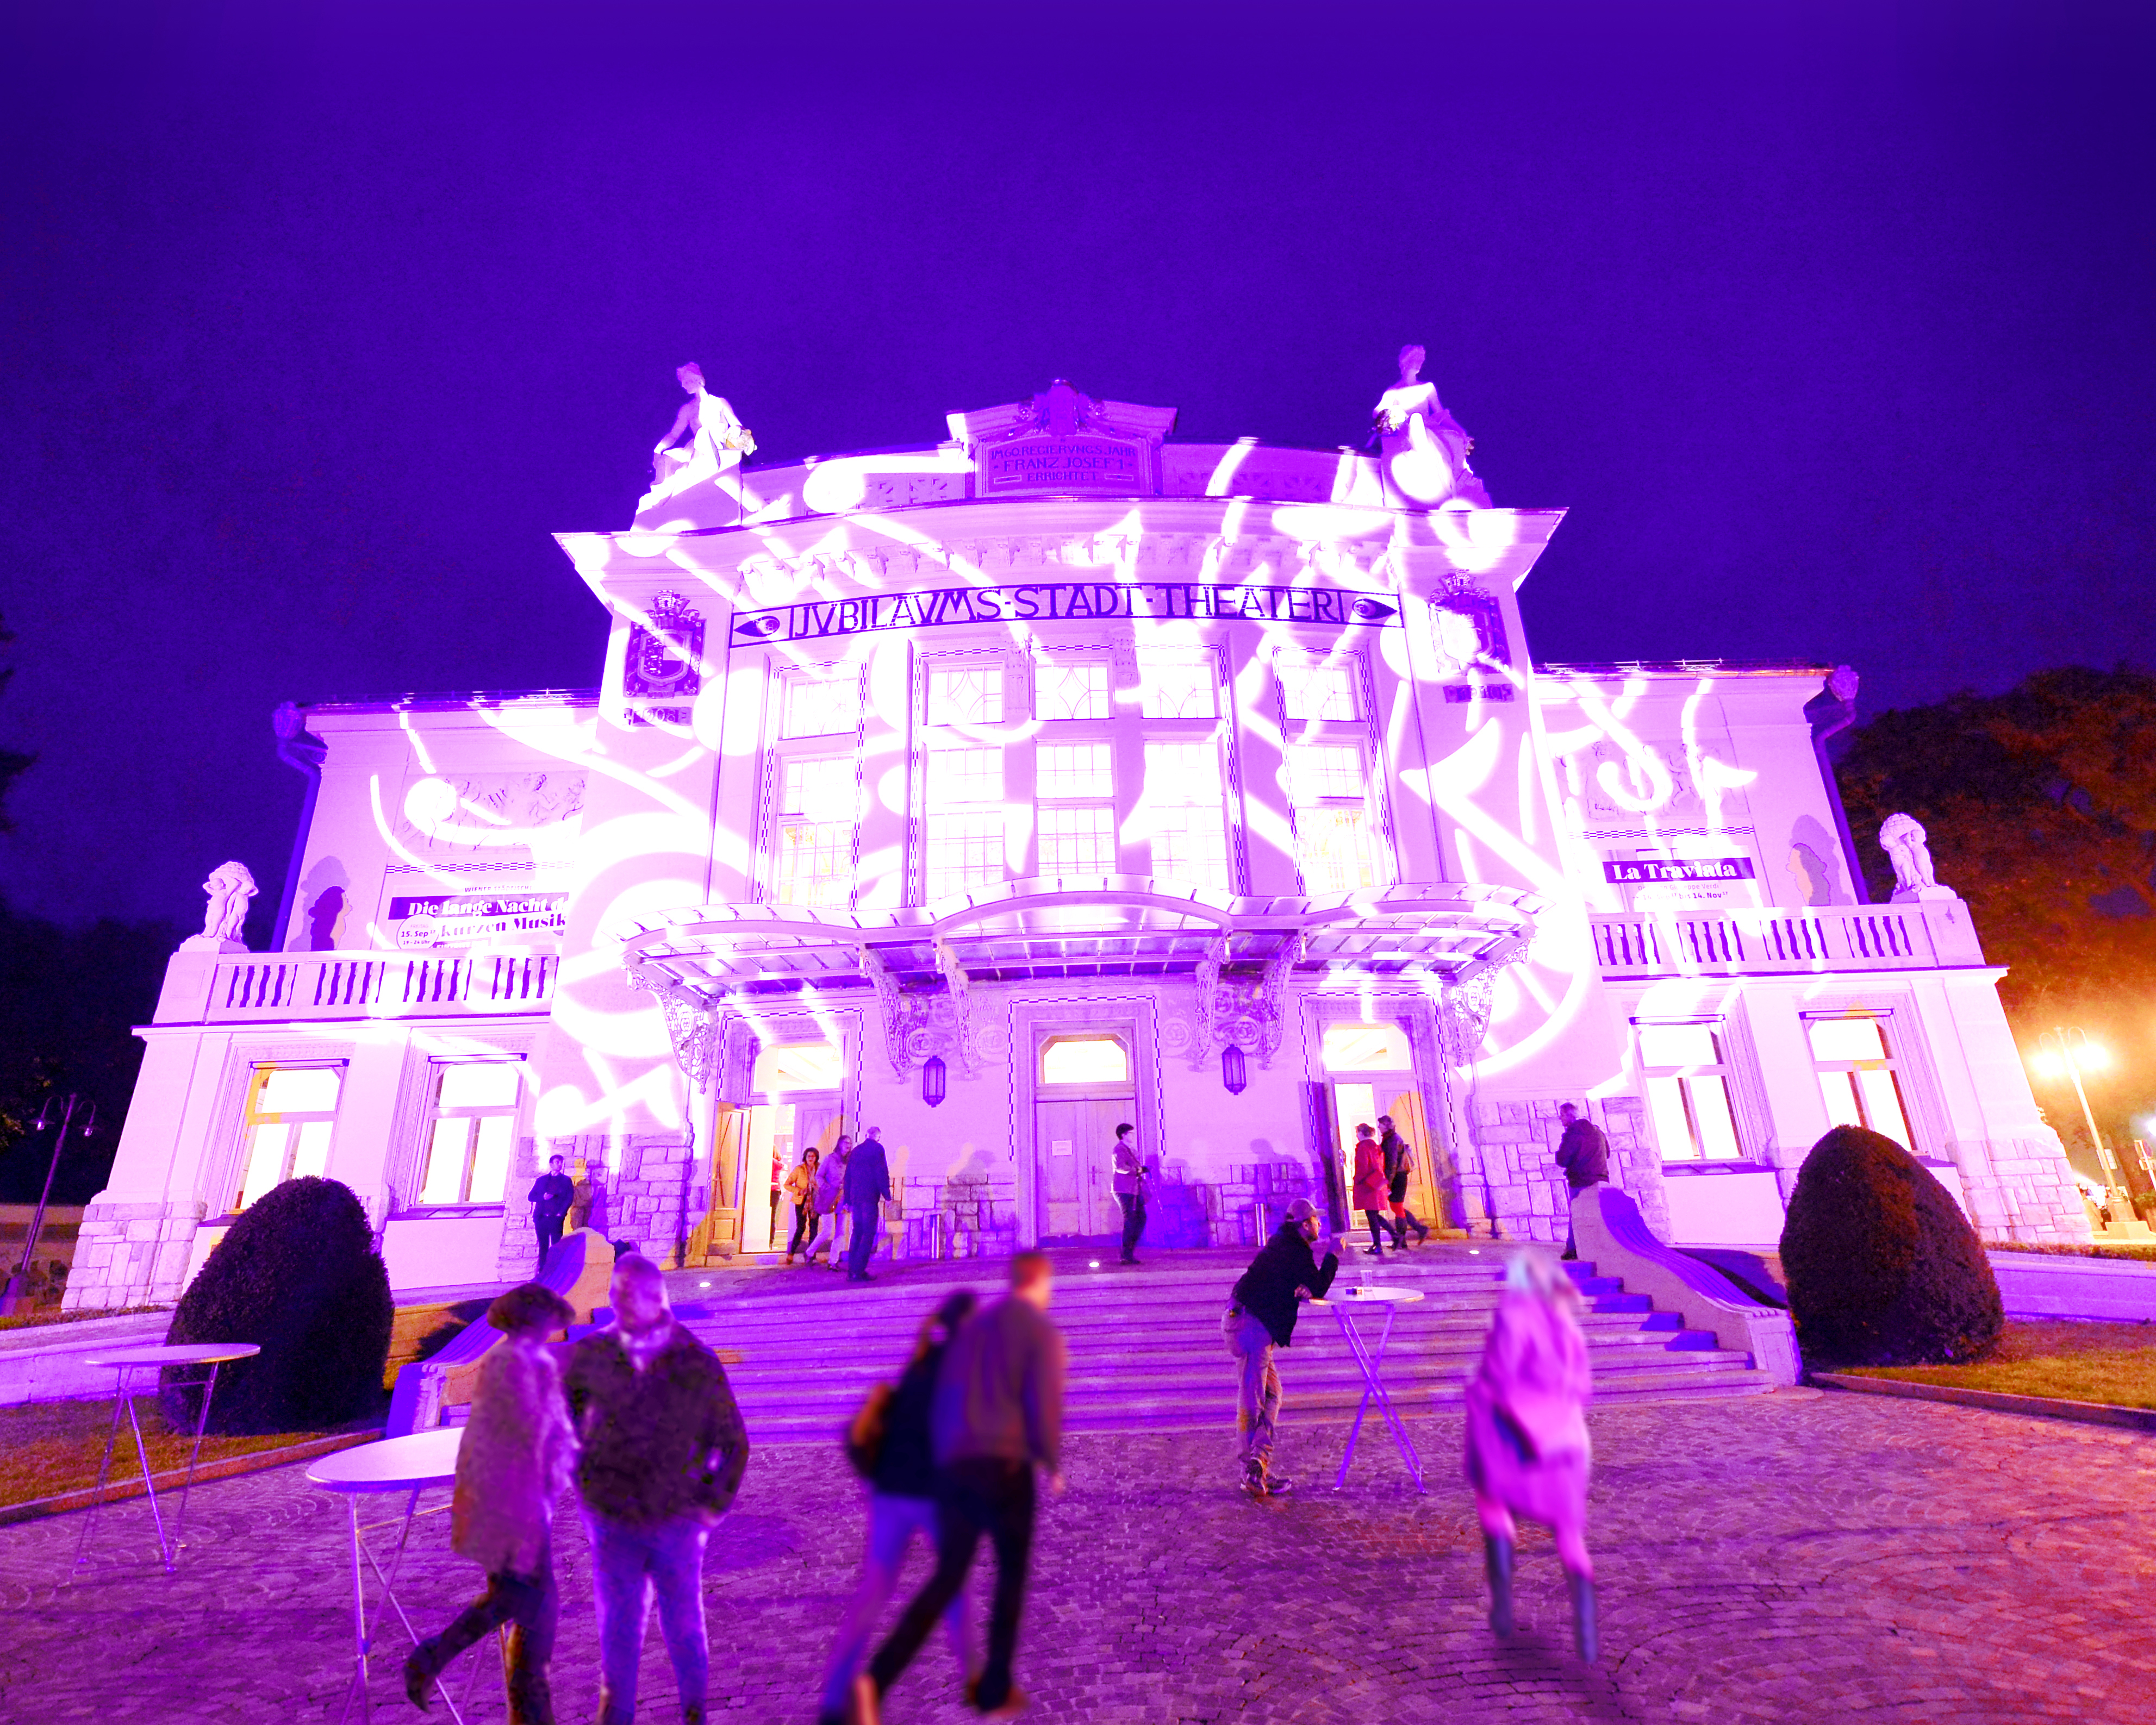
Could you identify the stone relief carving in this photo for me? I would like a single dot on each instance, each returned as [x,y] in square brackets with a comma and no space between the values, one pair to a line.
[706,436]
[1903,837]
[664,674]
[1246,1010]
[1423,450]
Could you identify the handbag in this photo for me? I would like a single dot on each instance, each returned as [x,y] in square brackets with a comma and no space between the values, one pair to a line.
[866,1431]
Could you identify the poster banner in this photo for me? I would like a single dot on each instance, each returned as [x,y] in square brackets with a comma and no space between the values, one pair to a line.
[476,920]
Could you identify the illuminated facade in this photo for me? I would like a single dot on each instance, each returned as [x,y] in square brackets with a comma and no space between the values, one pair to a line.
[998,791]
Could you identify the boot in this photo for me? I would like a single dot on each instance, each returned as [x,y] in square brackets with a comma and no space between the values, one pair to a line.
[420,1671]
[1497,1560]
[1584,1636]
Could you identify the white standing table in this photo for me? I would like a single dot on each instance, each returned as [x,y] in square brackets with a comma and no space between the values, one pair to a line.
[159,1354]
[410,1465]
[1343,1304]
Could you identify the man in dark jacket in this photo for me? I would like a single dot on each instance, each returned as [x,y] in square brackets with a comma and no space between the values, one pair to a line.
[1261,1316]
[1584,1153]
[551,1197]
[998,1413]
[663,1450]
[868,1188]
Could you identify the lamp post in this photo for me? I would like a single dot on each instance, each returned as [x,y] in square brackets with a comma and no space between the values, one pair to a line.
[17,1291]
[2060,1042]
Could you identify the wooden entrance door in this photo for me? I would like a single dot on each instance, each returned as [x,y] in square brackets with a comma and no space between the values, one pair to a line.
[1358,1101]
[1074,1141]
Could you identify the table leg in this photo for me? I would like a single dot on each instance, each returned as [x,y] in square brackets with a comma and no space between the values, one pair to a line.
[390,1602]
[150,1485]
[104,1471]
[1371,1364]
[1400,1438]
[358,1683]
[202,1424]
[1354,1341]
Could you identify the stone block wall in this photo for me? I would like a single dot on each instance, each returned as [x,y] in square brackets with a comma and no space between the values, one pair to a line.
[130,1254]
[2021,1190]
[644,1187]
[1518,1192]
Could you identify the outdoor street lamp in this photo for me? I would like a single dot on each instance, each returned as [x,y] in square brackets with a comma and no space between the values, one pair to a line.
[2058,1047]
[17,1290]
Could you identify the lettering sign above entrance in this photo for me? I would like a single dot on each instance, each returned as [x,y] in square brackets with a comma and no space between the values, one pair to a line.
[1640,871]
[1058,601]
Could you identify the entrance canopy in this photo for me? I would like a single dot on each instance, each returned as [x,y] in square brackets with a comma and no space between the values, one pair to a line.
[1101,925]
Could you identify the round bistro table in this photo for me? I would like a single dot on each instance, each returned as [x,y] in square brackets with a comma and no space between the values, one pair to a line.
[1370,1361]
[410,1465]
[123,1360]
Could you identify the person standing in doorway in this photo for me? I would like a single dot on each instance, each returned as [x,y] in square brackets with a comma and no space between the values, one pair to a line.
[1528,1450]
[868,1189]
[801,1188]
[551,1197]
[1400,1162]
[663,1452]
[1369,1192]
[1584,1153]
[1129,1181]
[1260,1317]
[998,1414]
[515,1456]
[902,1493]
[831,1198]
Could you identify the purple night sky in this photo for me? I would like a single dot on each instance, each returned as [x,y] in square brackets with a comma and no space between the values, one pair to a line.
[1832,323]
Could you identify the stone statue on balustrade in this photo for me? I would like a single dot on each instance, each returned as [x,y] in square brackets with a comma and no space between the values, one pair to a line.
[705,437]
[230,888]
[1901,837]
[1422,449]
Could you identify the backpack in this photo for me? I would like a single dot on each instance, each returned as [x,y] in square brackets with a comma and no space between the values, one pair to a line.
[865,1431]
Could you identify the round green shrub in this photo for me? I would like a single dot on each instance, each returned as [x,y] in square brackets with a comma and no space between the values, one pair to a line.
[1883,1268]
[299,1276]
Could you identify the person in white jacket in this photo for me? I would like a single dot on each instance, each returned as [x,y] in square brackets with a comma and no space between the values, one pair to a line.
[516,1457]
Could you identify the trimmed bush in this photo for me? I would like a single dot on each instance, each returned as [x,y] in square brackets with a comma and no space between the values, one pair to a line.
[1883,1267]
[299,1276]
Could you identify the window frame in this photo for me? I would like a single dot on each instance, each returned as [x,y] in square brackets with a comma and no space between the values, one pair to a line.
[1889,1064]
[1724,1070]
[437,1067]
[784,751]
[260,1072]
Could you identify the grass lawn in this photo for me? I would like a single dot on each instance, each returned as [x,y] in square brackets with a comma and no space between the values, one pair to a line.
[49,1447]
[2113,1363]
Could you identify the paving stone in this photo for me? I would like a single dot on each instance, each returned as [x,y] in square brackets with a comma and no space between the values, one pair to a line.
[1780,1559]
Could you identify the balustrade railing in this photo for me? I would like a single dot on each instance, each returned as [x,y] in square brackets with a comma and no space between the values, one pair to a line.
[324,986]
[1861,937]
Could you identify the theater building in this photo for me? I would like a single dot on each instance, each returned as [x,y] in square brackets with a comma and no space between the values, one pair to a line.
[1056,776]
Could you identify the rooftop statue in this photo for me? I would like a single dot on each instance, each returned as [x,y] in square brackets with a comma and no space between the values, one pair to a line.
[1423,449]
[704,437]
[1901,837]
[230,886]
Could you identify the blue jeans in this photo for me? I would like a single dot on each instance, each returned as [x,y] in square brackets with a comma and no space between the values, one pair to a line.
[864,1241]
[893,1521]
[629,1566]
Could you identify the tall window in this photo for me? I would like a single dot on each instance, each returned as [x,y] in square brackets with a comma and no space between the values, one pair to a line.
[966,820]
[1329,792]
[1075,786]
[972,696]
[1688,1092]
[818,815]
[1321,693]
[1066,689]
[472,1132]
[291,1111]
[1856,1076]
[1185,813]
[822,705]
[1177,685]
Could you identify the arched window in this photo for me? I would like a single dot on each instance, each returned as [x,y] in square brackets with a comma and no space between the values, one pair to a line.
[797,1065]
[1366,1048]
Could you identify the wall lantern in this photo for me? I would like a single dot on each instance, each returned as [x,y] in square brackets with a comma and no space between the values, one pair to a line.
[1234,1070]
[933,1083]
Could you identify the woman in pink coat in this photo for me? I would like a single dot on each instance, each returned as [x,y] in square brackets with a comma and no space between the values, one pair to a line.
[1368,1189]
[1527,1450]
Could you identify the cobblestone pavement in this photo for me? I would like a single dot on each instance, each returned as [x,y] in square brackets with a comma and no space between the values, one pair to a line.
[1792,1558]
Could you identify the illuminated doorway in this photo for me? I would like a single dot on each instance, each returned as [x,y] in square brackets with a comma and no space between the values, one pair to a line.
[1085,1090]
[1370,1073]
[793,1106]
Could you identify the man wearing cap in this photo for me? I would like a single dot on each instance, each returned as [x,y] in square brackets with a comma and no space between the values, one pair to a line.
[1260,1317]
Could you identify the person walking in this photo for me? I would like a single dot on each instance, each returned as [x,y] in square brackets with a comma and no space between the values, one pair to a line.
[663,1452]
[1129,1182]
[1260,1317]
[801,1188]
[1584,1153]
[1527,1450]
[1400,1162]
[902,1493]
[831,1197]
[551,1198]
[998,1414]
[868,1188]
[1369,1193]
[512,1462]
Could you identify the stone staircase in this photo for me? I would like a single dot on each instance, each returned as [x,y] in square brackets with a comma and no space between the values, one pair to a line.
[1146,1352]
